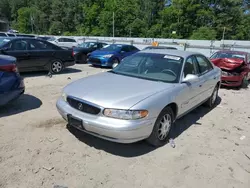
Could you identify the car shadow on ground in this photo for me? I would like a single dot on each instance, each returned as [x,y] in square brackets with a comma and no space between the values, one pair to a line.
[22,104]
[190,119]
[140,148]
[45,73]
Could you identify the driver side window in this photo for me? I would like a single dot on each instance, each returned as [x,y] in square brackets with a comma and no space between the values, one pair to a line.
[190,67]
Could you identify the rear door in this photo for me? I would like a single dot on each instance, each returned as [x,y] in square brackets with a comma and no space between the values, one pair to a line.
[206,75]
[41,52]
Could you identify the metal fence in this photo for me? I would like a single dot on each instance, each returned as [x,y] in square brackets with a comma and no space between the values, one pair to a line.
[207,47]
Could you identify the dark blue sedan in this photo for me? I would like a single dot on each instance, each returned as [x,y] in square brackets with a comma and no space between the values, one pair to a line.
[11,83]
[111,54]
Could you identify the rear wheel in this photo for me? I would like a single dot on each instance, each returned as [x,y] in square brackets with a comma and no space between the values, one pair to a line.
[212,99]
[56,66]
[83,58]
[162,127]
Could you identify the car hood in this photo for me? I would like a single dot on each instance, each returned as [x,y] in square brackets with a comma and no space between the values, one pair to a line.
[110,90]
[227,63]
[102,52]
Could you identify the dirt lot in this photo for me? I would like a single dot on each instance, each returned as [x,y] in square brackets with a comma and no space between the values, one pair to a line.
[37,150]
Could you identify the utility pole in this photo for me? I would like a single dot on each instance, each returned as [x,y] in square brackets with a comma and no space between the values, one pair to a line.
[223,37]
[130,32]
[31,20]
[113,24]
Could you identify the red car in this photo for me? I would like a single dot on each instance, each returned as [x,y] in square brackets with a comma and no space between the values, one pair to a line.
[235,66]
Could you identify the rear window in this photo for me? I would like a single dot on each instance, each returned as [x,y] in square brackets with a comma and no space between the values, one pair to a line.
[228,55]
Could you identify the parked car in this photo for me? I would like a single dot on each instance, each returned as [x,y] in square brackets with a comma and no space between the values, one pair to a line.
[82,50]
[63,42]
[235,67]
[111,54]
[3,34]
[25,35]
[43,38]
[35,55]
[142,96]
[159,47]
[11,83]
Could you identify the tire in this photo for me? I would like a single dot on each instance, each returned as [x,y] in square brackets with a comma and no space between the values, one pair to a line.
[245,82]
[56,66]
[115,60]
[83,58]
[212,99]
[161,130]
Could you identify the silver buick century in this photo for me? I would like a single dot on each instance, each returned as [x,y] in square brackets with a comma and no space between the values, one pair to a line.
[142,96]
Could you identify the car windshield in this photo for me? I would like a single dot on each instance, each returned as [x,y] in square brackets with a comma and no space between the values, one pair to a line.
[4,41]
[86,45]
[51,39]
[112,47]
[150,66]
[228,55]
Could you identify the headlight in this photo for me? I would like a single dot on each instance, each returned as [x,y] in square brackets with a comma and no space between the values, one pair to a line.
[108,56]
[125,114]
[64,97]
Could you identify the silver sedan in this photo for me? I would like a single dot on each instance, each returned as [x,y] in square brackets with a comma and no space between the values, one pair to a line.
[141,97]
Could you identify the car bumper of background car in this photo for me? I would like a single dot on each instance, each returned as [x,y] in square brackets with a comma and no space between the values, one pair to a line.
[100,61]
[231,81]
[69,63]
[115,130]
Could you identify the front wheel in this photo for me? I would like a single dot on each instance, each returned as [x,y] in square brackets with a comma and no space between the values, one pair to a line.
[244,83]
[162,127]
[56,66]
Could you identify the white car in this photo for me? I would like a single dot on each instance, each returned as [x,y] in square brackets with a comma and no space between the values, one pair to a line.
[64,42]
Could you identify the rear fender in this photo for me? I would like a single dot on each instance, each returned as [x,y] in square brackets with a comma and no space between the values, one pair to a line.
[8,81]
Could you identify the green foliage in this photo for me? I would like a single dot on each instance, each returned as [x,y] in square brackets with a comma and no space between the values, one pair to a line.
[204,33]
[194,19]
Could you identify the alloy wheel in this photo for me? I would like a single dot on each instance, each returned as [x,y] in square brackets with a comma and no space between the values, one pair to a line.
[164,126]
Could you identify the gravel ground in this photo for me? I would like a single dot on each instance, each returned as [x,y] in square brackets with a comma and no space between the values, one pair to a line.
[37,150]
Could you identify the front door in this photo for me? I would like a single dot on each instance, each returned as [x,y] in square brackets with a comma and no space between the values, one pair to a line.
[19,49]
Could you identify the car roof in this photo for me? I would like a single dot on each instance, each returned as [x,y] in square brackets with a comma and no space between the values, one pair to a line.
[180,53]
[230,51]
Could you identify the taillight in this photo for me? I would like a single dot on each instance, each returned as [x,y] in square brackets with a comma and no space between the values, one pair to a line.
[9,68]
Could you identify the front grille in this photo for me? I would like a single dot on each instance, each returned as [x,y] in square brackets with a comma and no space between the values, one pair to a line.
[95,60]
[82,106]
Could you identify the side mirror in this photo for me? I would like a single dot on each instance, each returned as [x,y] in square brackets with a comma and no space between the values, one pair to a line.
[190,78]
[122,52]
[114,65]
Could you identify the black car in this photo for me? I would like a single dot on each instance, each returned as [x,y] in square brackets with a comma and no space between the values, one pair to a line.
[35,55]
[82,50]
[159,47]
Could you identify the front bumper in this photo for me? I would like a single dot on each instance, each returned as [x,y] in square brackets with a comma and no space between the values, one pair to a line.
[121,131]
[103,62]
[231,81]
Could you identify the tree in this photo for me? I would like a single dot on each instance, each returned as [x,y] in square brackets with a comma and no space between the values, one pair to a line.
[204,33]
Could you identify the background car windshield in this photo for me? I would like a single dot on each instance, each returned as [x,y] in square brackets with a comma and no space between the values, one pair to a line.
[157,67]
[228,55]
[3,41]
[52,39]
[112,47]
[86,44]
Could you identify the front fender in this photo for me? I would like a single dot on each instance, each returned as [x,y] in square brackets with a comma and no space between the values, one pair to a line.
[157,102]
